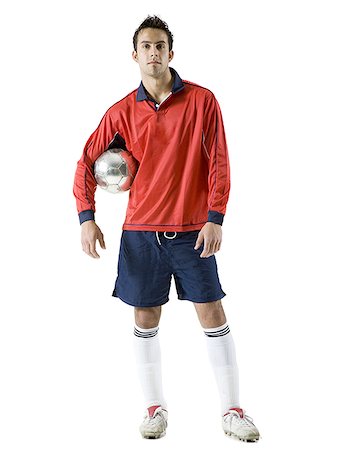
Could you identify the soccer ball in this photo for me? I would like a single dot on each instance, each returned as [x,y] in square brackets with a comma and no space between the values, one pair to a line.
[115,170]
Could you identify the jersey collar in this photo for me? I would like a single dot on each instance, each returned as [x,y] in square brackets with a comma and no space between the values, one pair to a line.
[177,86]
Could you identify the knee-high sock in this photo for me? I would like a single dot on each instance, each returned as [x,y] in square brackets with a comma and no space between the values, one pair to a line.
[222,355]
[148,362]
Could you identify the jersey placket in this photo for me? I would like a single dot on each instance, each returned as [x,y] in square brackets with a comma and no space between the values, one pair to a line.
[158,105]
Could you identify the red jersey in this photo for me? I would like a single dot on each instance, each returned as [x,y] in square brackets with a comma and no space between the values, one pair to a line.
[183,178]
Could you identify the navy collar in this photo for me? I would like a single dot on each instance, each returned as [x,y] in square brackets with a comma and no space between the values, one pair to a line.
[177,86]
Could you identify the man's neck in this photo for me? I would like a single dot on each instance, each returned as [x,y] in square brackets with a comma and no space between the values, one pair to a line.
[158,88]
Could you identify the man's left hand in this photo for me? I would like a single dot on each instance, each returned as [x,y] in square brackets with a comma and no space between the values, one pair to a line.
[211,234]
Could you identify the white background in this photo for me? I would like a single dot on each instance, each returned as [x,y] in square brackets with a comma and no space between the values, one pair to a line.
[67,365]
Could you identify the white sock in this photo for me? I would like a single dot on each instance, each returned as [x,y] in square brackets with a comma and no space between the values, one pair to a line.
[222,355]
[148,361]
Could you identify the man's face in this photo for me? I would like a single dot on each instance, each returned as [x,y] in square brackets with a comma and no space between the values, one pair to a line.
[152,53]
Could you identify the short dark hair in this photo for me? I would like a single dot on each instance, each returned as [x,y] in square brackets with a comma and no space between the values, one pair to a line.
[154,22]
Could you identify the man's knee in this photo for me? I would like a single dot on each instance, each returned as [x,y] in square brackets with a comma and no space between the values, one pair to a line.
[147,317]
[210,314]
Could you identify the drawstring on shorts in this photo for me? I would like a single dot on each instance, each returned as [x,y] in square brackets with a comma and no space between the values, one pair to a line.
[168,237]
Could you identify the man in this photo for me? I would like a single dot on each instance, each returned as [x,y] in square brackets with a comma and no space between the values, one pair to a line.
[173,224]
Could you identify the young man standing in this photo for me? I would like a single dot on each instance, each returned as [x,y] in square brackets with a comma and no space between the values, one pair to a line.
[173,223]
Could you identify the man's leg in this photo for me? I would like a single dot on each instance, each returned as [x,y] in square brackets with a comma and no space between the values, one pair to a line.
[148,355]
[221,351]
[147,317]
[210,314]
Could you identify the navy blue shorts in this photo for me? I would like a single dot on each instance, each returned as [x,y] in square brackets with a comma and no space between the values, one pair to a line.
[148,259]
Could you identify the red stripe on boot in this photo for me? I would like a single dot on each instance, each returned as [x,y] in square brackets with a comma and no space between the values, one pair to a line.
[239,410]
[152,409]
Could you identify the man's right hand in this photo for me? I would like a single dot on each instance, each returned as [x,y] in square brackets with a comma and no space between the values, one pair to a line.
[90,232]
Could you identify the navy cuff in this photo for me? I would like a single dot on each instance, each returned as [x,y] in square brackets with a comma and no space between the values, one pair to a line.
[88,214]
[215,217]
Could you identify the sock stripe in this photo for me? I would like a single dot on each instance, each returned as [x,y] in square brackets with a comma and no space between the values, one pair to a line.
[217,333]
[145,334]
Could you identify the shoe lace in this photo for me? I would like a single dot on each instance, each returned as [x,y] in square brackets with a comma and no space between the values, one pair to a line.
[158,415]
[246,420]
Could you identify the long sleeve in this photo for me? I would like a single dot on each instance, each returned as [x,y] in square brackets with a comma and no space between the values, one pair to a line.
[215,146]
[84,180]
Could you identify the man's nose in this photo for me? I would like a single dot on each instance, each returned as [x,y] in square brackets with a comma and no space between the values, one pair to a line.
[154,50]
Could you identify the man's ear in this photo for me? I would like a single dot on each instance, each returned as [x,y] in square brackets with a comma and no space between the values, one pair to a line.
[134,56]
[171,55]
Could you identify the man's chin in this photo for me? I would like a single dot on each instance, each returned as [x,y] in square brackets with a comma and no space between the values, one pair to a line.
[154,67]
[154,72]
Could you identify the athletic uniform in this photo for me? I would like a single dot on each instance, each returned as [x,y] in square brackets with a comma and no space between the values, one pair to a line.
[183,181]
